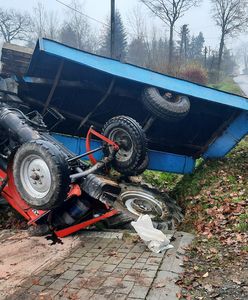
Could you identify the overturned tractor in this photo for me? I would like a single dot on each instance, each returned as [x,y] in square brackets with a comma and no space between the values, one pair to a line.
[142,119]
[61,192]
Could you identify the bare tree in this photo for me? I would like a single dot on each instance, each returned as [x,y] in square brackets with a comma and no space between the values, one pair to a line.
[169,11]
[231,17]
[39,20]
[53,25]
[138,48]
[79,25]
[45,23]
[76,30]
[136,22]
[14,25]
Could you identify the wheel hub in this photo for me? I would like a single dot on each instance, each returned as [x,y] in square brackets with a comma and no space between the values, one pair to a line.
[141,203]
[35,176]
[124,141]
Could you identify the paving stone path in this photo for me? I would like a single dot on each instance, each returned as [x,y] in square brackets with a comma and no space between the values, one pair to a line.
[109,268]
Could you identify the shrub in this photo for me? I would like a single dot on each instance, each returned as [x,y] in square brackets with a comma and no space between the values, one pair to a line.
[195,73]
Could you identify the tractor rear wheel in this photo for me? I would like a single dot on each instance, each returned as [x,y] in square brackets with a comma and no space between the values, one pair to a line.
[136,200]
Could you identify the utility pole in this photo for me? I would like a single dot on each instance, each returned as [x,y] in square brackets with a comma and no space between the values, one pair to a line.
[112,42]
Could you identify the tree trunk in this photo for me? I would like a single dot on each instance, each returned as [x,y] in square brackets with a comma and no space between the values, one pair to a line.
[246,61]
[170,47]
[221,49]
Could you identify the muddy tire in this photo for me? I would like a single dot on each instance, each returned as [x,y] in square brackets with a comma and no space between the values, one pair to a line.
[130,137]
[140,199]
[163,107]
[41,174]
[142,167]
[139,169]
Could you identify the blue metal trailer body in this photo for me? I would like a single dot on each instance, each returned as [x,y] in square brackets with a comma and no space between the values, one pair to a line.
[216,123]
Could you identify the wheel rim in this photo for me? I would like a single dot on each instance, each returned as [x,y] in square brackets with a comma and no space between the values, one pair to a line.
[125,143]
[35,176]
[141,203]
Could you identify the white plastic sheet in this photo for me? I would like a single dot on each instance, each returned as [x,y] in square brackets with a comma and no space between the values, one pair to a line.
[155,239]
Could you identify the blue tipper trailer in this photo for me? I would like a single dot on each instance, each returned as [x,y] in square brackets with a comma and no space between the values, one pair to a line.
[74,82]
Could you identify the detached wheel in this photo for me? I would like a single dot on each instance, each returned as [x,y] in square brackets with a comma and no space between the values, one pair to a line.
[41,174]
[130,137]
[163,107]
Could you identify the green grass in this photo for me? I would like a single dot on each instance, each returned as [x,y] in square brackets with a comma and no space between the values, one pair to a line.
[243,223]
[242,227]
[228,85]
[162,180]
[244,248]
[244,217]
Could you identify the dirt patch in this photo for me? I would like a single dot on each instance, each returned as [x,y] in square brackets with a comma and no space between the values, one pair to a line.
[22,255]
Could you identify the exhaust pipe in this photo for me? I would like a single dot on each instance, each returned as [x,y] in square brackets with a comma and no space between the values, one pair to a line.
[15,125]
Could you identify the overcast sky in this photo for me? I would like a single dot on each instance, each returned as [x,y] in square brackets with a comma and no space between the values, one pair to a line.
[197,18]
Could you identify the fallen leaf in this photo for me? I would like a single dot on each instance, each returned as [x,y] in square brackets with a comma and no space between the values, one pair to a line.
[234,280]
[185,259]
[208,288]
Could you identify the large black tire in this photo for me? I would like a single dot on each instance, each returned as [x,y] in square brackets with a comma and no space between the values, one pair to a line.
[140,168]
[141,199]
[163,107]
[130,137]
[41,174]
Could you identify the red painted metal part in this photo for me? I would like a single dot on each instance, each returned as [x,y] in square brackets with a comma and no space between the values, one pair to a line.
[91,132]
[69,230]
[74,191]
[11,194]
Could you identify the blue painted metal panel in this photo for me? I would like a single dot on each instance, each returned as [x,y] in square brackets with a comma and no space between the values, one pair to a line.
[159,161]
[77,145]
[169,162]
[138,74]
[229,138]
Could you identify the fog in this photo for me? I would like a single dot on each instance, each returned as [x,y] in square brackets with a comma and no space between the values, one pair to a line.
[198,18]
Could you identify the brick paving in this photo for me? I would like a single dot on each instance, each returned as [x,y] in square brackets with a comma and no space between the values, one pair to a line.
[109,268]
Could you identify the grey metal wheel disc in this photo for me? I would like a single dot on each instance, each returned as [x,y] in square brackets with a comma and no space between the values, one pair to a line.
[124,140]
[142,203]
[35,176]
